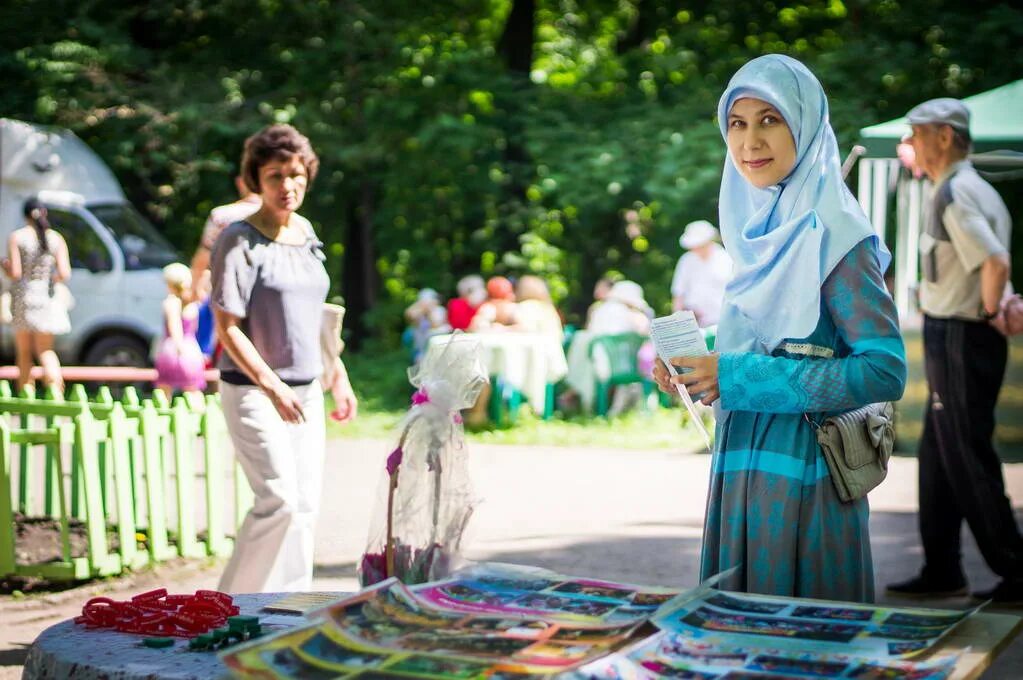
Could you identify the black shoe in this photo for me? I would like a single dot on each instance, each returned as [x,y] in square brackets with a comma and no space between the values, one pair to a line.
[923,586]
[1006,592]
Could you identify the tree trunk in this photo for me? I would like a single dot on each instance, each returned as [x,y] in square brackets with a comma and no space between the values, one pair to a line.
[515,48]
[641,28]
[516,43]
[359,282]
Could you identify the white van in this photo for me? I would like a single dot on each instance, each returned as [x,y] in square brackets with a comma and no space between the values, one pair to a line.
[116,254]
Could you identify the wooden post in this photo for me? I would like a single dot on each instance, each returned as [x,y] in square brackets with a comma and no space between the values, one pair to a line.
[86,452]
[54,467]
[118,449]
[160,399]
[106,468]
[6,512]
[26,471]
[65,435]
[130,397]
[214,454]
[149,428]
[183,431]
[130,401]
[80,399]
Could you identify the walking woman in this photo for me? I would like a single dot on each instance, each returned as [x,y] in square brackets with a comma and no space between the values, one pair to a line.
[807,328]
[269,286]
[37,261]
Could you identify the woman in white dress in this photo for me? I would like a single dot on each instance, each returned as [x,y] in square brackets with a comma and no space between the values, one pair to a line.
[37,260]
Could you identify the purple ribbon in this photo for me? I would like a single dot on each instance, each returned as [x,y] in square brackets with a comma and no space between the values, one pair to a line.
[394,460]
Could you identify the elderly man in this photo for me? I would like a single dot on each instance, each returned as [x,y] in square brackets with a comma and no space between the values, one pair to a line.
[965,266]
[701,273]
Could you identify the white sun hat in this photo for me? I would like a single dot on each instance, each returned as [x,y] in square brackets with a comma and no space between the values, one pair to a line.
[629,293]
[697,233]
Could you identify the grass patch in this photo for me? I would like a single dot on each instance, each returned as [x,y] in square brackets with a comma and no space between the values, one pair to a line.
[659,428]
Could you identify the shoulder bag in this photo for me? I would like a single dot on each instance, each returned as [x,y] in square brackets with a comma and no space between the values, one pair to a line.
[857,445]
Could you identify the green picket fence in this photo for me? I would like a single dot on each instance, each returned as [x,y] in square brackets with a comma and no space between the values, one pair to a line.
[143,471]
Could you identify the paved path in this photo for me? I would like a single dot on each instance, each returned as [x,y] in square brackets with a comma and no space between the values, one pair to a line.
[625,515]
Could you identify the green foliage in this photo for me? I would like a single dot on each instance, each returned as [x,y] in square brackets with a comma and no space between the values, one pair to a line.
[457,164]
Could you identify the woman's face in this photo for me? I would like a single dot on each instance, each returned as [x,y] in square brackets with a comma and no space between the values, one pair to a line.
[760,142]
[282,184]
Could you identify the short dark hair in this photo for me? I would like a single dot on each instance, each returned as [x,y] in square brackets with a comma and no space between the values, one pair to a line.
[276,142]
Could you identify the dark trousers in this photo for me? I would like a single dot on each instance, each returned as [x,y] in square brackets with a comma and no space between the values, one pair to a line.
[960,472]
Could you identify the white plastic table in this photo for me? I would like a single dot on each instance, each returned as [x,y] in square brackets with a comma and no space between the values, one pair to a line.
[526,361]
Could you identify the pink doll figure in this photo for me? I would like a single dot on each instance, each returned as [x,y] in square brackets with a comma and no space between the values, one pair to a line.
[180,364]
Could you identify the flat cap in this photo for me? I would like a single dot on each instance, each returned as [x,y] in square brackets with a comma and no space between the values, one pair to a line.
[943,111]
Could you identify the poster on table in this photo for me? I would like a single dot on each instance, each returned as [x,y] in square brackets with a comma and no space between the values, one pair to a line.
[500,622]
[529,591]
[805,625]
[385,631]
[675,655]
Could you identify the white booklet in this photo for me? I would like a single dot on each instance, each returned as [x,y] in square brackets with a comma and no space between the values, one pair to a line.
[679,335]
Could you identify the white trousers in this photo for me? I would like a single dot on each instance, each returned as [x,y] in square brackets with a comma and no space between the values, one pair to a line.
[283,462]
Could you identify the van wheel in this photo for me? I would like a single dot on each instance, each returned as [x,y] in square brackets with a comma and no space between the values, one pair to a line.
[118,350]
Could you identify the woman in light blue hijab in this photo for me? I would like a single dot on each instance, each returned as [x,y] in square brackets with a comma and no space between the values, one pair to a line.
[808,327]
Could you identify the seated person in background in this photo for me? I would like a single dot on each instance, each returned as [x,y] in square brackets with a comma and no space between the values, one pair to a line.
[426,316]
[701,273]
[600,290]
[623,311]
[536,313]
[498,312]
[471,294]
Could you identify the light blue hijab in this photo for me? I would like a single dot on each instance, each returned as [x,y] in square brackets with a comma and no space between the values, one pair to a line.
[785,240]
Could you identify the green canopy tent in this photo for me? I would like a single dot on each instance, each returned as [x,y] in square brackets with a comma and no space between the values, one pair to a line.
[996,126]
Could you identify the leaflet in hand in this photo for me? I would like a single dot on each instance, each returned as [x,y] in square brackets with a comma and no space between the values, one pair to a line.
[679,335]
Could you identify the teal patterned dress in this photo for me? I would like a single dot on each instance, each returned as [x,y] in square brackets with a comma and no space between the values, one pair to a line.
[772,509]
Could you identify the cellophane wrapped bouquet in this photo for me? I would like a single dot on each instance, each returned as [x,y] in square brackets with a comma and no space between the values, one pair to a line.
[426,498]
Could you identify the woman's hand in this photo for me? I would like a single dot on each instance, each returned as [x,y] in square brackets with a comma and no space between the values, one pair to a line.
[663,378]
[703,378]
[286,401]
[346,406]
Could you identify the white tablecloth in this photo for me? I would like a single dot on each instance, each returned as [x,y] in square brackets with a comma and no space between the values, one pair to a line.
[526,361]
[582,371]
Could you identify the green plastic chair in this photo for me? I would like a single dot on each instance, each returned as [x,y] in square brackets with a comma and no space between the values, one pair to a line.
[622,352]
[504,404]
[566,340]
[710,336]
